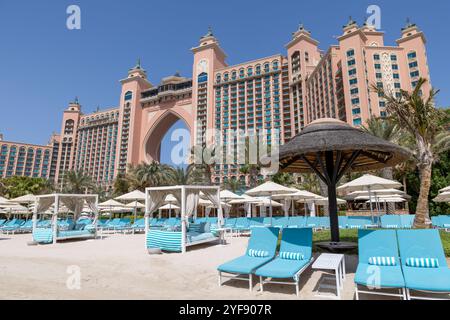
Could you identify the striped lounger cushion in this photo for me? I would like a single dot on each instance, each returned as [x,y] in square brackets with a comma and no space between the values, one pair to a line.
[422,262]
[392,226]
[291,256]
[258,253]
[383,261]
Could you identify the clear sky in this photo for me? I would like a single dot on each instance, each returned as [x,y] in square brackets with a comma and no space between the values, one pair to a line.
[43,65]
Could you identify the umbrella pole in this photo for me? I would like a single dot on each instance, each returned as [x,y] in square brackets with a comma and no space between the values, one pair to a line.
[293,207]
[371,206]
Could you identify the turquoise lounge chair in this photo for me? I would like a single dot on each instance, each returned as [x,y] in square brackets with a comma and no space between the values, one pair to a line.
[379,244]
[407,221]
[230,223]
[256,223]
[139,225]
[343,222]
[391,222]
[423,244]
[359,222]
[294,258]
[324,222]
[26,227]
[313,222]
[268,222]
[13,226]
[297,222]
[280,222]
[2,222]
[263,242]
[242,225]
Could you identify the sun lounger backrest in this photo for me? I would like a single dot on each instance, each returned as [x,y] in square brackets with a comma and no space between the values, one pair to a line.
[445,220]
[377,243]
[421,244]
[324,222]
[407,221]
[230,222]
[297,241]
[280,222]
[242,222]
[391,221]
[256,221]
[312,222]
[298,222]
[268,221]
[265,239]
[343,221]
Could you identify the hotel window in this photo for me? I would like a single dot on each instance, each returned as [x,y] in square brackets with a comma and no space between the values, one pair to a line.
[355,101]
[258,69]
[218,78]
[412,55]
[128,96]
[382,104]
[414,74]
[357,122]
[350,53]
[397,85]
[354,91]
[394,57]
[275,65]
[307,56]
[233,75]
[250,72]
[352,72]
[396,76]
[414,84]
[395,67]
[356,111]
[383,114]
[351,62]
[379,75]
[353,81]
[202,77]
[266,68]
[241,73]
[225,77]
[377,66]
[413,64]
[376,57]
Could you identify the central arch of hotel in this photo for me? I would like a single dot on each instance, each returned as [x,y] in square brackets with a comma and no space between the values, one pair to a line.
[157,127]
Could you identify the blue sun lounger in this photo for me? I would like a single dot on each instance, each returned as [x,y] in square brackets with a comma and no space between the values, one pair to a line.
[343,222]
[138,225]
[296,222]
[376,270]
[280,222]
[256,223]
[391,222]
[13,226]
[295,256]
[261,249]
[407,221]
[422,275]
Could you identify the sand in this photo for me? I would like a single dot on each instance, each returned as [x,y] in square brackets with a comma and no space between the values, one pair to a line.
[119,267]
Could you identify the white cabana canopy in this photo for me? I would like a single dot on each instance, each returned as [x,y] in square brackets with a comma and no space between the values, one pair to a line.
[244,199]
[322,201]
[227,195]
[188,198]
[74,202]
[3,200]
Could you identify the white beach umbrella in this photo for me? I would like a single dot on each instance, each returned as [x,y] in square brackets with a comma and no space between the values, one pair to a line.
[135,204]
[445,190]
[389,200]
[170,199]
[297,195]
[135,195]
[443,197]
[244,199]
[3,200]
[324,201]
[227,195]
[27,199]
[169,207]
[369,183]
[265,202]
[269,189]
[110,203]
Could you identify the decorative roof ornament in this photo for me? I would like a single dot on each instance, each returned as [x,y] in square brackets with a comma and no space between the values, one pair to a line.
[209,34]
[177,74]
[350,23]
[409,24]
[76,101]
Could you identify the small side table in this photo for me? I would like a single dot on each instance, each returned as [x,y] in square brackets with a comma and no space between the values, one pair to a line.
[336,263]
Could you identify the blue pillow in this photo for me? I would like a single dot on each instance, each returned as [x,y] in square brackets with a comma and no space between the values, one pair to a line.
[79,226]
[258,253]
[422,263]
[291,256]
[207,228]
[383,261]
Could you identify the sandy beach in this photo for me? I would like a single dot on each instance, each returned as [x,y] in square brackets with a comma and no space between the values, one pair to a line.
[118,267]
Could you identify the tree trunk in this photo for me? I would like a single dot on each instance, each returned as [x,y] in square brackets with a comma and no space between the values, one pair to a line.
[405,188]
[422,220]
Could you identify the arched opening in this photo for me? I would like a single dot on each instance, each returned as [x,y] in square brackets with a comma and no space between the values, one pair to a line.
[169,141]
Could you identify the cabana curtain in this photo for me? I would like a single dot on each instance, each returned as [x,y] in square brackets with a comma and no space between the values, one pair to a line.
[191,203]
[156,200]
[43,204]
[286,207]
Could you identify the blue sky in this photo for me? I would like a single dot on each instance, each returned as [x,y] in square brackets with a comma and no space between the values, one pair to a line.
[43,65]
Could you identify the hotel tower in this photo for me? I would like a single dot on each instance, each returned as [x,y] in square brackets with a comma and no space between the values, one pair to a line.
[281,93]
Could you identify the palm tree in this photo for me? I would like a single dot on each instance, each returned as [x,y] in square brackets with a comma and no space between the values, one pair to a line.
[145,175]
[121,185]
[203,159]
[419,117]
[233,185]
[183,176]
[77,182]
[387,130]
[284,179]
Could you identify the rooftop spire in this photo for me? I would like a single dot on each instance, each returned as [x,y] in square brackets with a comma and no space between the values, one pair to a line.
[209,34]
[409,24]
[351,22]
[76,101]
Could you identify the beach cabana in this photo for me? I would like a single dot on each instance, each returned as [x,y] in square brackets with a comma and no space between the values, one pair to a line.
[75,204]
[289,199]
[188,198]
[331,148]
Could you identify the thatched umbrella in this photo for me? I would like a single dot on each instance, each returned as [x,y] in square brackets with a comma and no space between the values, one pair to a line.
[330,148]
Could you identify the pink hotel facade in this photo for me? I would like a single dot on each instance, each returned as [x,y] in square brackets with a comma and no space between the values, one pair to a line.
[280,92]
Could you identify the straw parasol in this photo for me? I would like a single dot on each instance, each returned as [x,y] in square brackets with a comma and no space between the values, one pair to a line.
[269,189]
[330,148]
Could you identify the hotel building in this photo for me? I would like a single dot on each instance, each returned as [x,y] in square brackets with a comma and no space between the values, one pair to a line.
[281,94]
